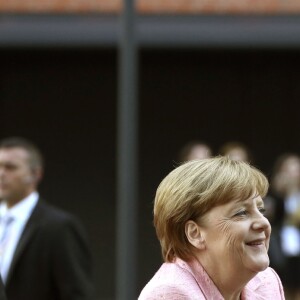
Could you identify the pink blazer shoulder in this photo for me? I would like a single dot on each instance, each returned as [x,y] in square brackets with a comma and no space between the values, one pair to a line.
[189,281]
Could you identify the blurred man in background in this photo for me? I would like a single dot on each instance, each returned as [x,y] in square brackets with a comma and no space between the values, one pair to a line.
[195,149]
[2,292]
[43,250]
[236,151]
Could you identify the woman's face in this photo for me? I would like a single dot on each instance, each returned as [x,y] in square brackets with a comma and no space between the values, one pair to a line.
[237,235]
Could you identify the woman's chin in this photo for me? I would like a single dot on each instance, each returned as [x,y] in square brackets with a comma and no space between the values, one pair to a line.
[259,266]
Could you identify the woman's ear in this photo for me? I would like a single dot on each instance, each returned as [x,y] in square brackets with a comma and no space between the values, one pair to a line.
[194,234]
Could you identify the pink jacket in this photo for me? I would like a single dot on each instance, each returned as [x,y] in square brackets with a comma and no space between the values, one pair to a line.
[189,281]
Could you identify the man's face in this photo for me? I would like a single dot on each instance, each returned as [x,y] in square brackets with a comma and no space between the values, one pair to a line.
[16,176]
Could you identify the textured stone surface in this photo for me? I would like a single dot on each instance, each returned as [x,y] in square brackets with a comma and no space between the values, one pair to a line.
[153,6]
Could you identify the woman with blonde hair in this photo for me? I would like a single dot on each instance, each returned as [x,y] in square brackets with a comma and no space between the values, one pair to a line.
[209,219]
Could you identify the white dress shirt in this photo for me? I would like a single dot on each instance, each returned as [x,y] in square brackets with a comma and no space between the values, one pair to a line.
[290,234]
[20,214]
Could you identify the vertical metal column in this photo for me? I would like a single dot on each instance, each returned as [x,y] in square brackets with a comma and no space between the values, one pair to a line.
[127,158]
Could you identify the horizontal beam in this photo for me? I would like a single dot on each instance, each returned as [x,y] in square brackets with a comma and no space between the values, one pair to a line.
[169,31]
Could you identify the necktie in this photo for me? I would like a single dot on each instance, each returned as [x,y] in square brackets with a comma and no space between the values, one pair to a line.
[5,227]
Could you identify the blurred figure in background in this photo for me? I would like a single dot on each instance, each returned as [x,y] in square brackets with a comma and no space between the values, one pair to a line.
[44,253]
[2,292]
[236,151]
[195,150]
[284,213]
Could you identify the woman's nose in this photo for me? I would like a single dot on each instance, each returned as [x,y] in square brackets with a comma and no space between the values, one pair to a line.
[261,222]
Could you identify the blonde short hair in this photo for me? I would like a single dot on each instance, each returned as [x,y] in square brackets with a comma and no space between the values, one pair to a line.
[192,189]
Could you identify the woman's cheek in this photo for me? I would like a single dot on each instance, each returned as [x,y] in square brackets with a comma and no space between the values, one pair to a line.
[225,228]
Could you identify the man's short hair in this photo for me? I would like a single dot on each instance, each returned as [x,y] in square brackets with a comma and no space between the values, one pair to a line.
[35,157]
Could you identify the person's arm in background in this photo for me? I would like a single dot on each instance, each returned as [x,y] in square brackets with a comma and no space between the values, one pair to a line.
[72,262]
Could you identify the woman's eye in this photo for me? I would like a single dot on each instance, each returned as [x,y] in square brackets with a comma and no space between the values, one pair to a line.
[241,213]
[262,210]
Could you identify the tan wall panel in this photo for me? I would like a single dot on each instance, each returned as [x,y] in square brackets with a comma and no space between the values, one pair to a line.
[153,6]
[106,6]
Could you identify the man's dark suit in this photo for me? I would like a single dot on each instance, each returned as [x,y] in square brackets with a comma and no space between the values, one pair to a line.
[52,260]
[2,293]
